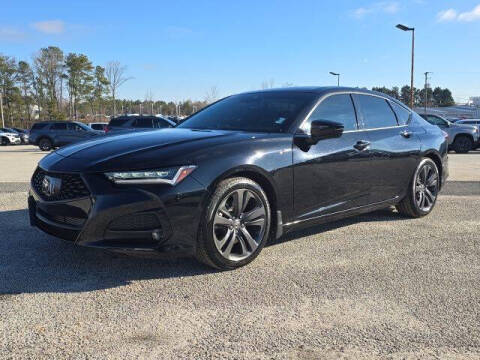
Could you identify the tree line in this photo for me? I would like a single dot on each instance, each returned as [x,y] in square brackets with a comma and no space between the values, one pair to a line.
[437,97]
[59,86]
[55,85]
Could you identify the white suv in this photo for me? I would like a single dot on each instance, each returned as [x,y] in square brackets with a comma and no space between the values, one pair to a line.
[9,137]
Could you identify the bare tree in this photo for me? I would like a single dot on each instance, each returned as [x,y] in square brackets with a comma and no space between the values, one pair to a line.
[211,95]
[268,84]
[116,77]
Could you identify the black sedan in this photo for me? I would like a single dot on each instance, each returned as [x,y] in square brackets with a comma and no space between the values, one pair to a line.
[242,172]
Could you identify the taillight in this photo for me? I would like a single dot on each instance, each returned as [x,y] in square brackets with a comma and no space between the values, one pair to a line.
[107,129]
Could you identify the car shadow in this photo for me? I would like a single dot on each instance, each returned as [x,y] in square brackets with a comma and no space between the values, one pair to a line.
[34,262]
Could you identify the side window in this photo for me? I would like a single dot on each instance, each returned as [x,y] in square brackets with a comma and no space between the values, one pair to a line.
[338,108]
[435,120]
[39,126]
[59,126]
[162,124]
[403,115]
[143,123]
[376,113]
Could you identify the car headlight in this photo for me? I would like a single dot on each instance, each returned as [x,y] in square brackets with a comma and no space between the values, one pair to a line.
[171,176]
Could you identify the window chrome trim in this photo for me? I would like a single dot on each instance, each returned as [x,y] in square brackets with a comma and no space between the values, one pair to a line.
[398,126]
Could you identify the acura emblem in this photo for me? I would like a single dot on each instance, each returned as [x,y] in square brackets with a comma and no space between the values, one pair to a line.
[51,186]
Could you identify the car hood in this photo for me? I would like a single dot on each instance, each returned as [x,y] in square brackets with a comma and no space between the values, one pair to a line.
[114,146]
[463,126]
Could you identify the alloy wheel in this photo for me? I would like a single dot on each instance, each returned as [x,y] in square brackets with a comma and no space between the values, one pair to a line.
[426,187]
[239,224]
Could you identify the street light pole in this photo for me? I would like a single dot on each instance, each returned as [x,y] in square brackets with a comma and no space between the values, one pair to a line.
[406,28]
[337,75]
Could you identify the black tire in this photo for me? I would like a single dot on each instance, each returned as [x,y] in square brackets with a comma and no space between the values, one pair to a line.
[5,141]
[207,250]
[462,144]
[45,144]
[409,205]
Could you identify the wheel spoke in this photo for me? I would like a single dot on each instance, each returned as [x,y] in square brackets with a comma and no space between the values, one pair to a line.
[228,249]
[256,222]
[420,199]
[424,173]
[242,244]
[254,214]
[221,220]
[221,243]
[432,180]
[238,199]
[429,196]
[251,241]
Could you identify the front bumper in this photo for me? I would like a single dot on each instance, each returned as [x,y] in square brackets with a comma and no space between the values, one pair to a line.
[15,141]
[147,217]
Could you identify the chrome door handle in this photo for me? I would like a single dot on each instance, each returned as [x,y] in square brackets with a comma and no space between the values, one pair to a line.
[406,133]
[362,145]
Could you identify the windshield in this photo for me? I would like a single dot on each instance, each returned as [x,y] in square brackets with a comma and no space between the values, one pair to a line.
[255,112]
[83,126]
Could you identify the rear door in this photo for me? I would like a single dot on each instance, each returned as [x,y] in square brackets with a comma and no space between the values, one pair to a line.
[332,175]
[394,147]
[59,133]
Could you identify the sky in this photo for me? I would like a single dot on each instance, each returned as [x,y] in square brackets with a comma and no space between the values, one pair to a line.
[180,49]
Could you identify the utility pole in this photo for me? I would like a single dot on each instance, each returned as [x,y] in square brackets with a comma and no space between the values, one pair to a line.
[426,89]
[1,109]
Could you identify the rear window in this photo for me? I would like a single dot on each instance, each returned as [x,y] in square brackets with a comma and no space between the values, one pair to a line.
[143,123]
[39,126]
[118,122]
[376,113]
[59,126]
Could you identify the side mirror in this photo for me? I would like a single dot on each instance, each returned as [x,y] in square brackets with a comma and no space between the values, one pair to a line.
[324,129]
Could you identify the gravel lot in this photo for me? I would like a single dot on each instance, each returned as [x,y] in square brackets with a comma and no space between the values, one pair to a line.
[375,286]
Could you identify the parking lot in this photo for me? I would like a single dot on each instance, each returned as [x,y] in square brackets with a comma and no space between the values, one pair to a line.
[373,286]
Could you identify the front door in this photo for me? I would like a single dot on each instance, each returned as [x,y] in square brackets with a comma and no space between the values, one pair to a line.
[332,175]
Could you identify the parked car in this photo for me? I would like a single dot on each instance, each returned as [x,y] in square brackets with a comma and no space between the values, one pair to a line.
[472,122]
[51,134]
[9,136]
[137,123]
[100,126]
[24,136]
[241,172]
[461,138]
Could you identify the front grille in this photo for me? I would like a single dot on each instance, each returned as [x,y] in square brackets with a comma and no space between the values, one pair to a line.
[135,222]
[72,186]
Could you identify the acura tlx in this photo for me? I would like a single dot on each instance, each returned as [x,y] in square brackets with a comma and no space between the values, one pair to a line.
[241,172]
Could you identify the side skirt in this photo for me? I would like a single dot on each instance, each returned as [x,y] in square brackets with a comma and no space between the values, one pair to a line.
[339,215]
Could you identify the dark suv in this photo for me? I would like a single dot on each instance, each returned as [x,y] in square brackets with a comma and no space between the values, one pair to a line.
[138,123]
[50,134]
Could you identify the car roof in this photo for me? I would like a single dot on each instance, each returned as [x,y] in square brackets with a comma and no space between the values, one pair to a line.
[324,90]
